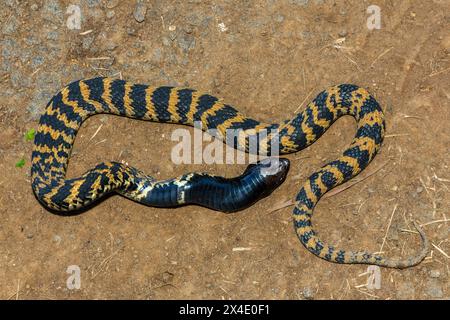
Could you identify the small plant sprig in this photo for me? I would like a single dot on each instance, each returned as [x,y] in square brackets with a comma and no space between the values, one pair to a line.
[20,163]
[28,136]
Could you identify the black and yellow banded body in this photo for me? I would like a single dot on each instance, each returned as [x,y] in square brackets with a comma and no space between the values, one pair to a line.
[73,104]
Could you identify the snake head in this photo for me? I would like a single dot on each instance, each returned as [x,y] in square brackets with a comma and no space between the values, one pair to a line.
[272,171]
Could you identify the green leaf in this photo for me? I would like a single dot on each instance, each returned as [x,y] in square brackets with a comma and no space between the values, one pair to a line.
[29,135]
[20,163]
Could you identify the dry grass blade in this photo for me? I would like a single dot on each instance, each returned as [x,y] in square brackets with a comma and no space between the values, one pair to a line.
[439,72]
[396,135]
[105,263]
[86,32]
[388,227]
[304,100]
[98,58]
[15,294]
[281,205]
[242,249]
[96,132]
[441,251]
[381,55]
[435,221]
[369,294]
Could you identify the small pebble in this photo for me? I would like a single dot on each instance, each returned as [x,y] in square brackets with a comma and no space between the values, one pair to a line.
[306,34]
[186,42]
[57,238]
[435,274]
[52,11]
[34,7]
[52,35]
[31,40]
[222,27]
[188,29]
[343,33]
[435,292]
[37,61]
[433,288]
[8,48]
[111,46]
[112,4]
[139,12]
[87,42]
[166,41]
[110,14]
[10,26]
[93,3]
[167,277]
[299,2]
[157,55]
[279,18]
[308,293]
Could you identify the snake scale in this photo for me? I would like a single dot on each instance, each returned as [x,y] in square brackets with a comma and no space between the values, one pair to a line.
[67,110]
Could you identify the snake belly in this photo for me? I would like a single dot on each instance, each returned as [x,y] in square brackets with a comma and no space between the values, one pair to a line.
[67,110]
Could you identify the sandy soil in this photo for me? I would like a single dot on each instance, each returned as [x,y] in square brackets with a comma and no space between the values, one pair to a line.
[268,58]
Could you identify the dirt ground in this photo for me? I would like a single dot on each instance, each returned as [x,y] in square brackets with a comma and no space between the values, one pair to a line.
[267,58]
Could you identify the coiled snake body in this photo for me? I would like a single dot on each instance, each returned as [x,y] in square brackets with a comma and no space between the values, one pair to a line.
[73,104]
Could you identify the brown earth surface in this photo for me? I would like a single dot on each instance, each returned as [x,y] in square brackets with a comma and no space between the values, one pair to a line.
[268,58]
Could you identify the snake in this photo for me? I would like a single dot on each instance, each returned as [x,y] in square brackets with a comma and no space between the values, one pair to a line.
[73,104]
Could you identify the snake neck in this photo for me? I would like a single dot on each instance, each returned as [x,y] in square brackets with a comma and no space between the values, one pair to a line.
[214,192]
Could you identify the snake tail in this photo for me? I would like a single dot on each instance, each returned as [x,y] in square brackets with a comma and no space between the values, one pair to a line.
[357,102]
